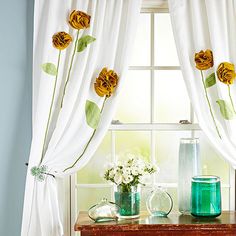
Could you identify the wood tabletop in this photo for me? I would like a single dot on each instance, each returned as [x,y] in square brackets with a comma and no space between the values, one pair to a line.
[174,222]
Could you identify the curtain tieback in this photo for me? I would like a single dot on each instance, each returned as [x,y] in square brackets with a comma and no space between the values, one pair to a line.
[40,172]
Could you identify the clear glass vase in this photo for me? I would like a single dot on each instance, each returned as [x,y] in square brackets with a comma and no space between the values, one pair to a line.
[189,166]
[128,200]
[159,202]
[104,211]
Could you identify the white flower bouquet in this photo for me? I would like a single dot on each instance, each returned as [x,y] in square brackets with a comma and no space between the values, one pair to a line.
[130,173]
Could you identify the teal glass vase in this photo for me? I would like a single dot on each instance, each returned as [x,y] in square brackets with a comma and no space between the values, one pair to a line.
[205,196]
[128,199]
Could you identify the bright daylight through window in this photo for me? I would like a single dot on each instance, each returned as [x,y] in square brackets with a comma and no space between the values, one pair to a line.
[153,101]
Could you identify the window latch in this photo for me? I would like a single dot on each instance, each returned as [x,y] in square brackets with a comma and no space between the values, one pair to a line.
[184,122]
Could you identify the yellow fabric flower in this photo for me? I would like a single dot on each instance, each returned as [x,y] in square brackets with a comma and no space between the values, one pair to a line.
[106,83]
[204,60]
[226,73]
[61,40]
[79,20]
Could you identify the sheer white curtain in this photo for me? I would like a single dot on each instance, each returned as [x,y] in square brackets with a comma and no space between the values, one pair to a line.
[201,25]
[113,24]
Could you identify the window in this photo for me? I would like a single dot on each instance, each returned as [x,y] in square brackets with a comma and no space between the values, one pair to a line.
[153,102]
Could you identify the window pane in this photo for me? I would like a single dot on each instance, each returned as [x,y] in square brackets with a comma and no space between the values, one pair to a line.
[212,162]
[135,142]
[167,154]
[87,197]
[141,49]
[134,100]
[91,173]
[145,191]
[171,99]
[165,50]
[225,199]
[174,195]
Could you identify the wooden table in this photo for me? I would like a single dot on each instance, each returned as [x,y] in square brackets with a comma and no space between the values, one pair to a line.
[174,225]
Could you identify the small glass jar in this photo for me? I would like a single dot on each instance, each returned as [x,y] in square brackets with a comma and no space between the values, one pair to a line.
[159,202]
[205,196]
[128,200]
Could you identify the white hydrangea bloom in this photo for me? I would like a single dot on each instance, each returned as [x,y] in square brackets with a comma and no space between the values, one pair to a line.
[135,170]
[116,170]
[141,170]
[126,170]
[127,179]
[111,173]
[118,178]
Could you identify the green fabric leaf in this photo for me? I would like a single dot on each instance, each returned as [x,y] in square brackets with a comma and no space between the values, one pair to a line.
[49,68]
[83,42]
[210,80]
[92,114]
[226,109]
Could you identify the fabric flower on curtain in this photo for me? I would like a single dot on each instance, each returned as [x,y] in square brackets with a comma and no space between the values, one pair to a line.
[226,74]
[60,41]
[78,20]
[104,86]
[204,61]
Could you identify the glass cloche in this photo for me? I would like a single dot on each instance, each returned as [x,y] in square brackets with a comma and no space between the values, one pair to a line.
[104,211]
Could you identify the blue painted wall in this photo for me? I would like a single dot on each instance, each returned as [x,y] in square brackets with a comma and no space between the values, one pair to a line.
[16,28]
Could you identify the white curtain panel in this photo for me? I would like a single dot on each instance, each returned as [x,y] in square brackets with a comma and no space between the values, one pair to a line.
[113,24]
[201,25]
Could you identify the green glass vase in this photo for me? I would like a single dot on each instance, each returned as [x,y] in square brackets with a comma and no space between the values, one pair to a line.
[205,196]
[128,199]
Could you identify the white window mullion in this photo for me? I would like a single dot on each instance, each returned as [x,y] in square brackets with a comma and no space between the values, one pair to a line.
[231,189]
[113,157]
[73,202]
[155,126]
[152,67]
[109,185]
[152,70]
[192,120]
[153,140]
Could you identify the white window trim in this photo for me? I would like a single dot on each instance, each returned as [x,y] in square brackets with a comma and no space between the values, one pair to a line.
[157,6]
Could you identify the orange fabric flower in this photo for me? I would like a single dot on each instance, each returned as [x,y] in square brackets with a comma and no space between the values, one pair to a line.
[106,83]
[61,40]
[226,73]
[79,20]
[204,60]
